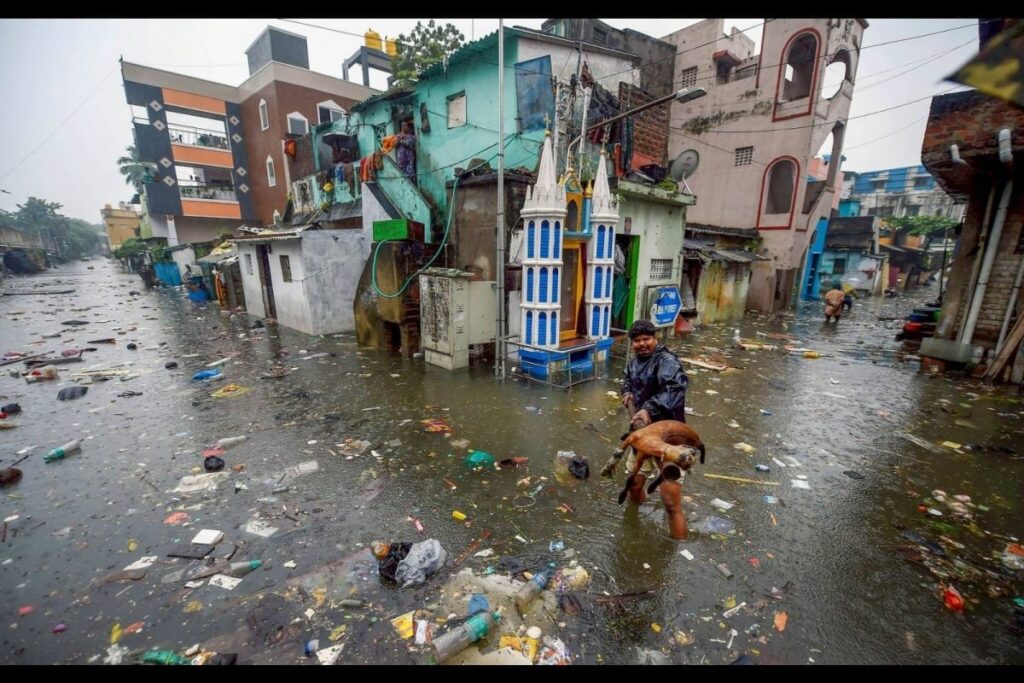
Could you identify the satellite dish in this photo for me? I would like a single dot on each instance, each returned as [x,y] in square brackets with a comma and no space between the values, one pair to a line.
[685,165]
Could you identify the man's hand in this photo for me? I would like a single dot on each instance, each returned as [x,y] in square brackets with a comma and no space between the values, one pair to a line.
[641,419]
[626,399]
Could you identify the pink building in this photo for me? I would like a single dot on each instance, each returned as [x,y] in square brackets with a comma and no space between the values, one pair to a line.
[764,120]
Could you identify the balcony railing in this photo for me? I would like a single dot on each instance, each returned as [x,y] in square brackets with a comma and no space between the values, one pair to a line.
[216,191]
[197,137]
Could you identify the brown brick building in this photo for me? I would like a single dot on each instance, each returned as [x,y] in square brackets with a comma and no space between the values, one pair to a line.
[974,146]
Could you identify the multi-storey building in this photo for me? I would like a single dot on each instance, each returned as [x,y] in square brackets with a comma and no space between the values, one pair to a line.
[218,149]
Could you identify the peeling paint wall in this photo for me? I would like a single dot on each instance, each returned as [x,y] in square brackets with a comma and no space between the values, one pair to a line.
[333,261]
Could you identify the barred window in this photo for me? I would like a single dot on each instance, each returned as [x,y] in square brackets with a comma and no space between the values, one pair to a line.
[744,156]
[689,77]
[661,269]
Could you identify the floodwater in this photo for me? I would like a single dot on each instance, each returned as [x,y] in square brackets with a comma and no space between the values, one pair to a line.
[845,571]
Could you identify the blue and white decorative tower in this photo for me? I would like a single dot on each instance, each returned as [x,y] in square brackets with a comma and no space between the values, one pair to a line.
[600,255]
[543,217]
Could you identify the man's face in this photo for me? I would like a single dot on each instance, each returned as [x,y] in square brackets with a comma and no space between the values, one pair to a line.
[643,345]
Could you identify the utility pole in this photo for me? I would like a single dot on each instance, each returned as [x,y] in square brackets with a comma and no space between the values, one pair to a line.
[499,339]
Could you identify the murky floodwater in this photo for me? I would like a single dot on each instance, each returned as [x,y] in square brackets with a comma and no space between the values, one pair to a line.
[850,561]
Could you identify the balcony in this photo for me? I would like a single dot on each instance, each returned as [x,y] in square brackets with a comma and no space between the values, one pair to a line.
[197,137]
[223,192]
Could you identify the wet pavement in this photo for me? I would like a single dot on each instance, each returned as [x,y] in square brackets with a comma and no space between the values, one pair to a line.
[834,555]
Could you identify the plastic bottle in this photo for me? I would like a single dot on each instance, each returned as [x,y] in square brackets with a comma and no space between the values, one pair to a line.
[532,589]
[459,638]
[231,441]
[62,452]
[239,569]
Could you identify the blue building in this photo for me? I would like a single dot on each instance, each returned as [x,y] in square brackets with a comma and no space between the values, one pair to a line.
[899,192]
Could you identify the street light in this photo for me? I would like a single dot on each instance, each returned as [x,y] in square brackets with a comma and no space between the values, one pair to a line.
[684,95]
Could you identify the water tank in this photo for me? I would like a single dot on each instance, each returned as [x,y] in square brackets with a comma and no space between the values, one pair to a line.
[373,40]
[391,47]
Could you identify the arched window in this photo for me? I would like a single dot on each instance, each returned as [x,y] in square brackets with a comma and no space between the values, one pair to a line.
[558,240]
[607,320]
[598,273]
[837,72]
[600,241]
[611,242]
[542,296]
[780,186]
[799,67]
[529,285]
[607,282]
[554,326]
[531,230]
[572,215]
[542,329]
[545,239]
[264,116]
[554,285]
[595,321]
[529,327]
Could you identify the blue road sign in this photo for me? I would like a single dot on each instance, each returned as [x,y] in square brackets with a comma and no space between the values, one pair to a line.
[665,305]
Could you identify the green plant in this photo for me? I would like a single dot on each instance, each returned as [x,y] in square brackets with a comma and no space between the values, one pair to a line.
[921,225]
[424,46]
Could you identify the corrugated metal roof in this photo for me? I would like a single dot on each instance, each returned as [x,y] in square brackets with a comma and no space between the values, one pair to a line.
[738,255]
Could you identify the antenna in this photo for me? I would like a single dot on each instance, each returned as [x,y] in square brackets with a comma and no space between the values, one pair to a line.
[684,166]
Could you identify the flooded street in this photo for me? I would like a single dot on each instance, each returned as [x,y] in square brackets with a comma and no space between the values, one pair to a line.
[833,554]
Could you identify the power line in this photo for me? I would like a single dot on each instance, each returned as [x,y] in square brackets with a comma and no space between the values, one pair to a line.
[865,144]
[826,123]
[60,126]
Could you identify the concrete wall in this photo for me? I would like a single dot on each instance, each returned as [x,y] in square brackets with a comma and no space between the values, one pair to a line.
[249,265]
[722,293]
[289,297]
[333,263]
[190,230]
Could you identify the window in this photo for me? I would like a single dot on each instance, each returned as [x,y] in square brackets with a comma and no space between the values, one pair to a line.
[329,111]
[722,71]
[264,116]
[271,173]
[744,156]
[286,268]
[800,62]
[922,182]
[780,187]
[457,110]
[600,36]
[839,266]
[912,210]
[689,77]
[297,124]
[884,212]
[248,264]
[661,269]
[878,184]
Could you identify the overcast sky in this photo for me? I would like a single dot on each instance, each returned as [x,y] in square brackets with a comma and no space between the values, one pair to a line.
[64,119]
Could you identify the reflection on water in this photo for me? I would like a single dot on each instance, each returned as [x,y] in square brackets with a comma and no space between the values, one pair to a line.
[832,556]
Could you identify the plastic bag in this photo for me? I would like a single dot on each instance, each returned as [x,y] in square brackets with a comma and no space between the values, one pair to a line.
[424,559]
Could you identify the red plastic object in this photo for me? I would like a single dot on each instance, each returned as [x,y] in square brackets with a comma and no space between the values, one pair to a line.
[954,601]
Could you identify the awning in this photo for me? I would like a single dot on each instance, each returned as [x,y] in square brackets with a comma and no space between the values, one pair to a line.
[340,212]
[737,256]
